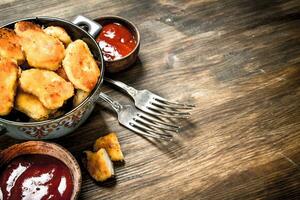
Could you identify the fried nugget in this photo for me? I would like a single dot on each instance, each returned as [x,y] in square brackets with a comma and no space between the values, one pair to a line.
[9,72]
[79,96]
[59,33]
[99,165]
[51,89]
[41,50]
[80,66]
[111,144]
[31,106]
[10,45]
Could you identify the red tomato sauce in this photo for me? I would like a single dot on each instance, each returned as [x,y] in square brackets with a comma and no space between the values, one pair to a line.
[36,177]
[115,41]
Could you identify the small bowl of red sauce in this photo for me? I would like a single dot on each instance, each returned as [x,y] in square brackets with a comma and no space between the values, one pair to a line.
[38,170]
[119,40]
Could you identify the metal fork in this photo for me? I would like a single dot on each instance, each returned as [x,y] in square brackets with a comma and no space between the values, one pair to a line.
[152,103]
[141,122]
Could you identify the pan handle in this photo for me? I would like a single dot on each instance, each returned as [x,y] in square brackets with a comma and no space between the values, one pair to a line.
[93,28]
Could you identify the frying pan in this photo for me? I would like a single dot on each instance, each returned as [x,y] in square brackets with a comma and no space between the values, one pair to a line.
[65,124]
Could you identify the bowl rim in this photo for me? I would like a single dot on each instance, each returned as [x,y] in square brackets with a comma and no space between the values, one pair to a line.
[39,144]
[136,30]
[81,105]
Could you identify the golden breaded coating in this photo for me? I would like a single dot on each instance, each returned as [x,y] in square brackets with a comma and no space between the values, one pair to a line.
[111,144]
[61,72]
[41,50]
[59,33]
[51,89]
[80,66]
[10,45]
[99,165]
[79,96]
[31,106]
[9,71]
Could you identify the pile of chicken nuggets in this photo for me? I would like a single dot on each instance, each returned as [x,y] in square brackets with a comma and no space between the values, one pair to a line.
[57,69]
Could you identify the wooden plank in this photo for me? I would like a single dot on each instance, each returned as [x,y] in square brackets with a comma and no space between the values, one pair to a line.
[238,60]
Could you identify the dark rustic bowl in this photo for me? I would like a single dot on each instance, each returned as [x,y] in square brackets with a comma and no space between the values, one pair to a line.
[125,62]
[50,149]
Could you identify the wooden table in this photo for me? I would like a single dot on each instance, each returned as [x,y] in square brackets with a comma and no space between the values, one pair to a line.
[237,60]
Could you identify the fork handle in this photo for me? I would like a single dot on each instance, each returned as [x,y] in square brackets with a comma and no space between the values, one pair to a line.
[114,104]
[130,90]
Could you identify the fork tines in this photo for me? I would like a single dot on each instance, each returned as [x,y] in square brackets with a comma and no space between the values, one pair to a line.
[161,107]
[159,101]
[153,127]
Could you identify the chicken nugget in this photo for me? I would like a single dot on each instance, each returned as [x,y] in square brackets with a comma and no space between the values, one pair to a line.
[51,89]
[59,33]
[80,66]
[99,165]
[9,71]
[31,106]
[41,50]
[111,144]
[10,45]
[79,96]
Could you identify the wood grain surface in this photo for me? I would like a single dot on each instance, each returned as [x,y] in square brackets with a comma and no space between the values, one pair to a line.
[237,60]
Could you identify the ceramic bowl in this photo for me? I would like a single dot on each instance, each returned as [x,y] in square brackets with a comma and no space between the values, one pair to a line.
[124,62]
[44,148]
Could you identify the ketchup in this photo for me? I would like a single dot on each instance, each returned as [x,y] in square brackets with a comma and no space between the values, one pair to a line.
[36,177]
[115,41]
